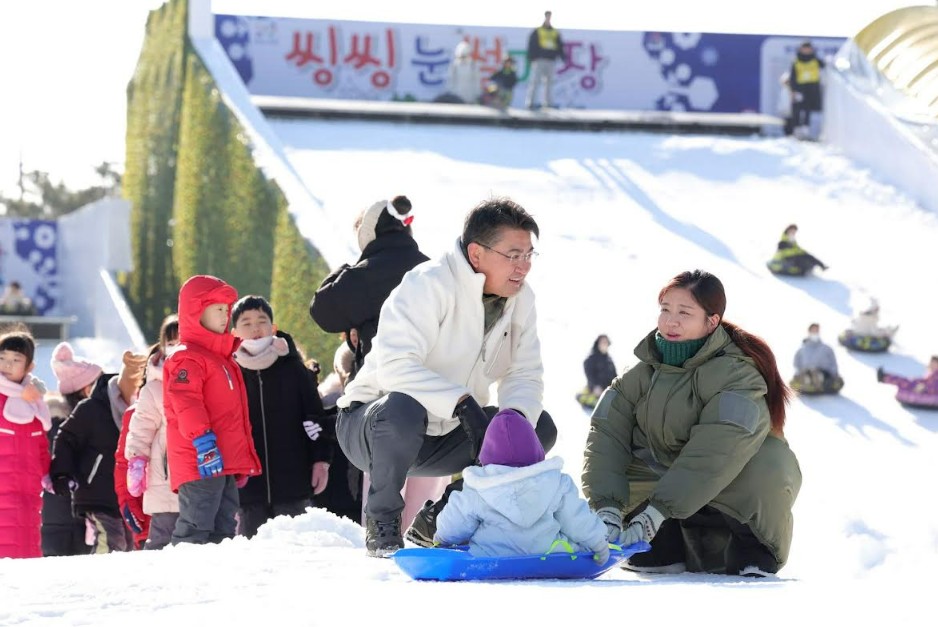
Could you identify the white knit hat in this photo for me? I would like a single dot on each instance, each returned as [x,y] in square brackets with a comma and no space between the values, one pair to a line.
[366,230]
[384,217]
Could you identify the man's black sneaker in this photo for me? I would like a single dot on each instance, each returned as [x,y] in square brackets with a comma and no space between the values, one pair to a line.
[383,539]
[424,526]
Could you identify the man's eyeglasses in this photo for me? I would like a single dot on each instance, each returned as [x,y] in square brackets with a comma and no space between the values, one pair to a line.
[514,258]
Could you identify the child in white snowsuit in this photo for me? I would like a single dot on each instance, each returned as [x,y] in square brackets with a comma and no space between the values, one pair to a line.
[518,503]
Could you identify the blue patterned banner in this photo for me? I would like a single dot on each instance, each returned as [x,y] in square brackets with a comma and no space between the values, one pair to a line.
[28,256]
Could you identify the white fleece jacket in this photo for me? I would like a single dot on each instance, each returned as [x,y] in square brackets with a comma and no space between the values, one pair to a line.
[430,346]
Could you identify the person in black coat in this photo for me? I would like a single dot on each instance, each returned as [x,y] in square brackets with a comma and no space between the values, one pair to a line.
[599,367]
[62,532]
[501,85]
[805,80]
[287,419]
[83,461]
[351,297]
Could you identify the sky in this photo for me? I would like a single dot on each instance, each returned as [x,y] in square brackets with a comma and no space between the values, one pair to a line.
[64,61]
[620,213]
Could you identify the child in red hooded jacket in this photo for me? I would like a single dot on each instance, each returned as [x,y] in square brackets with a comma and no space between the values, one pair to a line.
[208,432]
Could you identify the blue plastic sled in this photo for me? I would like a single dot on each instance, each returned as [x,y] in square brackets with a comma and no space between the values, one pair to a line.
[456,564]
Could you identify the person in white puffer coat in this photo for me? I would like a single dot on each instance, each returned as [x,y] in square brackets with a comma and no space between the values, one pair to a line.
[145,450]
[454,329]
[465,79]
[866,322]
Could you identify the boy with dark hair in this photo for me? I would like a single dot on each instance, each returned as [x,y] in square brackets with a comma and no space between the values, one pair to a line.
[207,425]
[450,330]
[286,419]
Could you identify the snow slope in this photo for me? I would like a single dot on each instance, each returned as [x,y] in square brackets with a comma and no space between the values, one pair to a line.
[620,214]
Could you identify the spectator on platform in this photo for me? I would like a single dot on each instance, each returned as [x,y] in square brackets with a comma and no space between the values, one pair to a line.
[15,301]
[500,88]
[805,82]
[465,80]
[545,47]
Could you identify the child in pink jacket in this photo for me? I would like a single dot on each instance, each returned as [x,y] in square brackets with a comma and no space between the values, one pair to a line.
[24,450]
[145,448]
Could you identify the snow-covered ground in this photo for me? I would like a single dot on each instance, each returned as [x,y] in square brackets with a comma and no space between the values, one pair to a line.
[620,213]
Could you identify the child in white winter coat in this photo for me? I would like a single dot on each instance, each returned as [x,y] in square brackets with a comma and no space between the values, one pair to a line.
[465,79]
[866,323]
[518,503]
[145,449]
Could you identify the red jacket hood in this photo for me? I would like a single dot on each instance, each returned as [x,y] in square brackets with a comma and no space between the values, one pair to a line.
[196,294]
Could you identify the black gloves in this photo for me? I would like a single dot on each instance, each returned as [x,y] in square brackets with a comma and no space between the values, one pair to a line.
[63,486]
[474,421]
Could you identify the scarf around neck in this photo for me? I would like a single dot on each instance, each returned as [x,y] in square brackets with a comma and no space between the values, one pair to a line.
[676,353]
[264,357]
[20,411]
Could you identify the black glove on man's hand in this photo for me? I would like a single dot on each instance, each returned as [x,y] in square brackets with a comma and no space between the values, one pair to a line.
[474,421]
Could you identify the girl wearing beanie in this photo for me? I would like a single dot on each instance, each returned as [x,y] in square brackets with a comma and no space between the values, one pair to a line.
[62,532]
[75,375]
[516,502]
[349,301]
[83,453]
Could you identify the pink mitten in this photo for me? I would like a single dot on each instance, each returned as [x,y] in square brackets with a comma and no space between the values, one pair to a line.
[47,484]
[137,476]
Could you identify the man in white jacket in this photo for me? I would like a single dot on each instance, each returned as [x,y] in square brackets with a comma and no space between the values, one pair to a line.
[453,327]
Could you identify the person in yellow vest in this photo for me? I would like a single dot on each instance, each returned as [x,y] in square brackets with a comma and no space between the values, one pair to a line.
[544,48]
[805,83]
[790,257]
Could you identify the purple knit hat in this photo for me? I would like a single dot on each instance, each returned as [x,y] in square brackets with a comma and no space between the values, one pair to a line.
[510,440]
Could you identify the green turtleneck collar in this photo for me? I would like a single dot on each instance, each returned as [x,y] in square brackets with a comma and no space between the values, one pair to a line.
[676,353]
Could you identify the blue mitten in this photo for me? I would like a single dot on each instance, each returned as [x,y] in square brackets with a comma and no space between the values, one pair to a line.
[208,455]
[133,523]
